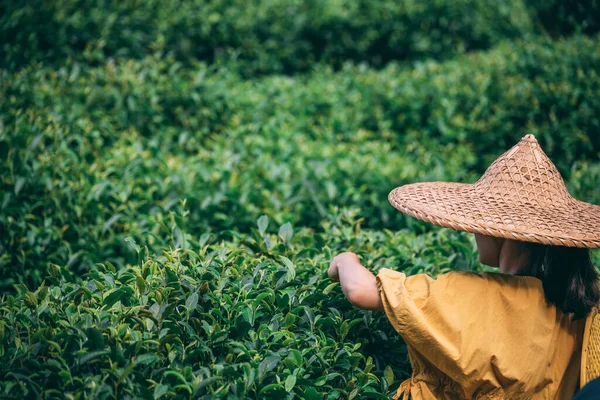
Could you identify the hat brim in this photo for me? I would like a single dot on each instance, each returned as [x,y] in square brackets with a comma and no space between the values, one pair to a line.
[466,207]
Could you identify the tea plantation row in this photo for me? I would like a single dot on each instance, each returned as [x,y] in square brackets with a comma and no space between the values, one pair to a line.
[166,223]
[267,36]
[91,155]
[253,316]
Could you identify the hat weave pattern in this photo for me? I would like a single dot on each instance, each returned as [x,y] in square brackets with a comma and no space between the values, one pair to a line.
[521,196]
[590,354]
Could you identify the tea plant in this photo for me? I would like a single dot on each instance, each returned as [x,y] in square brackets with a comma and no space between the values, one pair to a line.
[258,37]
[254,316]
[175,178]
[90,156]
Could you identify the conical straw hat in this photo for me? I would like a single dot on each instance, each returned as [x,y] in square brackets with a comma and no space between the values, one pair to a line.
[521,196]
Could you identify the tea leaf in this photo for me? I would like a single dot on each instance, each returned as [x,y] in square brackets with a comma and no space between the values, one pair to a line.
[312,394]
[285,232]
[389,375]
[291,269]
[114,296]
[133,244]
[160,390]
[263,223]
[290,382]
[330,287]
[146,359]
[192,301]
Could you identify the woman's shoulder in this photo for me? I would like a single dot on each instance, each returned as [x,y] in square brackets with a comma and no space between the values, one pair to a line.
[490,282]
[498,277]
[460,282]
[459,275]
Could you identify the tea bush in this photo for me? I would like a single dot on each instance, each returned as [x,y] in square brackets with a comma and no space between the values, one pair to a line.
[166,223]
[258,36]
[560,18]
[253,316]
[93,155]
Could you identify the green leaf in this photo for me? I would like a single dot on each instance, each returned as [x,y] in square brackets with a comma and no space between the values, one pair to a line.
[296,355]
[95,339]
[263,223]
[144,359]
[268,364]
[330,287]
[291,269]
[312,394]
[204,239]
[86,358]
[206,382]
[126,373]
[179,239]
[388,374]
[353,394]
[261,297]
[133,244]
[286,232]
[344,329]
[110,222]
[183,387]
[160,390]
[192,301]
[290,382]
[114,296]
[176,375]
[290,319]
[141,284]
[272,386]
[20,182]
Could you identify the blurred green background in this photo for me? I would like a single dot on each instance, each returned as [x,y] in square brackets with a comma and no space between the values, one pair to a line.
[141,141]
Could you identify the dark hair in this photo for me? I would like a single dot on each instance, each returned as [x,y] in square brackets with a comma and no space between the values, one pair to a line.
[569,277]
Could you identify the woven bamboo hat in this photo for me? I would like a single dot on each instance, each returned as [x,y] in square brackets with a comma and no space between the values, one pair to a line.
[521,196]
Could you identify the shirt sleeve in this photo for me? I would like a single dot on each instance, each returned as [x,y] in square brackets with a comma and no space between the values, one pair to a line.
[458,320]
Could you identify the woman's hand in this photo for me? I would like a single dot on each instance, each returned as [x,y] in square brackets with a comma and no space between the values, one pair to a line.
[358,283]
[341,259]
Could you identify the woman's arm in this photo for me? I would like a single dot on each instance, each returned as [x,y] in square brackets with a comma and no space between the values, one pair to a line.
[358,283]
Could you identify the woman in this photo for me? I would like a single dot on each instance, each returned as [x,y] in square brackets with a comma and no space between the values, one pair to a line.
[516,334]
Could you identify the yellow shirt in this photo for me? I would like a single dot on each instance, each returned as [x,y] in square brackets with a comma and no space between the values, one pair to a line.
[482,336]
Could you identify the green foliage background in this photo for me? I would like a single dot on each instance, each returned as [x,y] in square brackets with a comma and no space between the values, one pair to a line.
[176,176]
